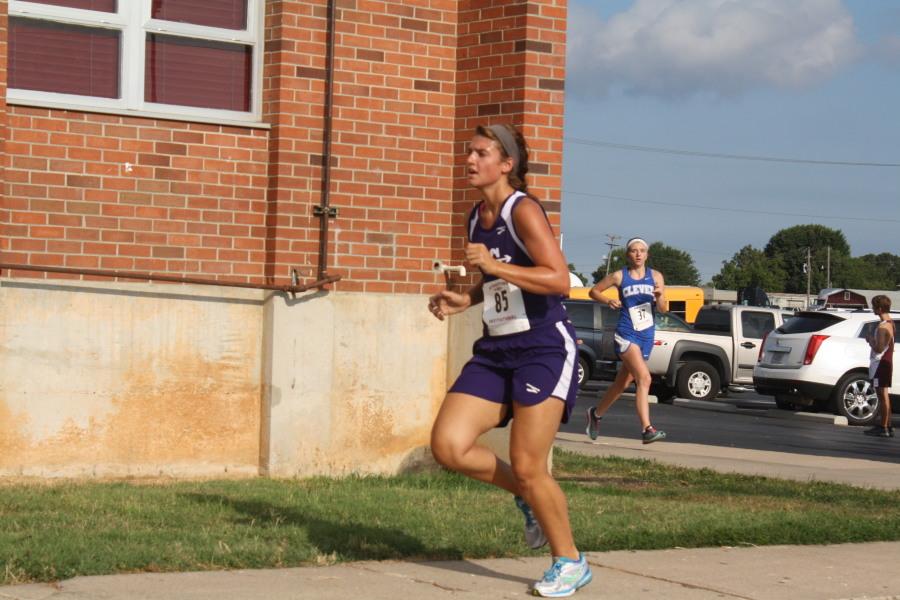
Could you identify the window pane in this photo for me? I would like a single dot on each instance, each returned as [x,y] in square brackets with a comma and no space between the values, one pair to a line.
[755,325]
[581,315]
[99,5]
[189,72]
[53,57]
[227,14]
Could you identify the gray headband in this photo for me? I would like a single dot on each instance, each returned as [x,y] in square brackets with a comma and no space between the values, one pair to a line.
[508,142]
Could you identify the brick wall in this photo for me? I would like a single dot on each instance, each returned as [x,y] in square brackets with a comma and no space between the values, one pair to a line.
[412,79]
[108,192]
[392,144]
[4,194]
[511,70]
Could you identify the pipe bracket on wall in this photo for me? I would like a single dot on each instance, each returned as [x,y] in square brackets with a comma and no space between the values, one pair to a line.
[319,210]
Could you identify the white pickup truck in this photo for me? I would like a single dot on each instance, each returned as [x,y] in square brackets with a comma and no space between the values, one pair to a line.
[719,351]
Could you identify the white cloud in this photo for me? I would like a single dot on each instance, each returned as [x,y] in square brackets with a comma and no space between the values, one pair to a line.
[726,47]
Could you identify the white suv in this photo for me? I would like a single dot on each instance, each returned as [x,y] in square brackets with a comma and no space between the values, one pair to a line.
[821,358]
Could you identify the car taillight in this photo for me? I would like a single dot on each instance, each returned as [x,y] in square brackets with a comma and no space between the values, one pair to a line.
[761,346]
[815,342]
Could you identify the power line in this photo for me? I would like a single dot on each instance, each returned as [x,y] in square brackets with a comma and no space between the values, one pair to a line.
[802,161]
[737,210]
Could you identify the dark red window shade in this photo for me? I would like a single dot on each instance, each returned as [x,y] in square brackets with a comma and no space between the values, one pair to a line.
[53,57]
[190,72]
[98,5]
[227,14]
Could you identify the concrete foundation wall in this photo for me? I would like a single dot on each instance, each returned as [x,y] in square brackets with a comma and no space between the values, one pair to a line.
[356,380]
[128,379]
[132,379]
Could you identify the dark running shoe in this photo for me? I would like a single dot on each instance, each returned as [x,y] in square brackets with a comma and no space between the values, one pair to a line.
[593,423]
[879,431]
[534,535]
[652,434]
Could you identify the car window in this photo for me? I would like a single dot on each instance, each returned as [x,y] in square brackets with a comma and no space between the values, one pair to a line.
[868,329]
[714,320]
[670,322]
[609,317]
[581,314]
[809,322]
[756,325]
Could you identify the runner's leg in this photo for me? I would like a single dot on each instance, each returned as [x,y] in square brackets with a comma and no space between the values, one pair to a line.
[623,380]
[533,431]
[637,367]
[460,421]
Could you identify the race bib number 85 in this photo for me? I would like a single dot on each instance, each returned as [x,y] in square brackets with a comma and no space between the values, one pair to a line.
[504,308]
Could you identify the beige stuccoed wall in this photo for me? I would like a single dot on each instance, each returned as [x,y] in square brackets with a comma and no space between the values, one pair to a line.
[356,380]
[140,379]
[107,379]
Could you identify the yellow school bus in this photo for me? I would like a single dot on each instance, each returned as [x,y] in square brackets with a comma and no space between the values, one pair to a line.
[684,300]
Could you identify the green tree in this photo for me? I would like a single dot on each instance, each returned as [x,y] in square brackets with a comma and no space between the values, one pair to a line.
[873,272]
[676,265]
[750,267]
[788,247]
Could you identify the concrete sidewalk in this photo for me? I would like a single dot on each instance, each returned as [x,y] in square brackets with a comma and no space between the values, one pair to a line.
[782,465]
[843,572]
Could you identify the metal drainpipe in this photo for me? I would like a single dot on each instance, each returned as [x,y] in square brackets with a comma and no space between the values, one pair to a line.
[324,210]
[292,289]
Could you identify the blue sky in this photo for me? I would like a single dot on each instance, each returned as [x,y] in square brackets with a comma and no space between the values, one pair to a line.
[807,80]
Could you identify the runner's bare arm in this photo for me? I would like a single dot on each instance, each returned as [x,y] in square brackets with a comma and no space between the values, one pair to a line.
[614,279]
[549,276]
[881,339]
[446,303]
[659,291]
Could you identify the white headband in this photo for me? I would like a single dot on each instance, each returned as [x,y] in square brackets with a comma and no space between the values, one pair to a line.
[635,240]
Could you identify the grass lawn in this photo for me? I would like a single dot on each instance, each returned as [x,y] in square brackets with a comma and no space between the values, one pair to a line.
[55,531]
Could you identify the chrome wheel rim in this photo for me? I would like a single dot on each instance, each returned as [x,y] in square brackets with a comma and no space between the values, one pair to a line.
[860,400]
[699,384]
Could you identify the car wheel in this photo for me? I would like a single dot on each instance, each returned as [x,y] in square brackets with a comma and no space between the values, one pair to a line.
[854,397]
[664,394]
[698,381]
[584,372]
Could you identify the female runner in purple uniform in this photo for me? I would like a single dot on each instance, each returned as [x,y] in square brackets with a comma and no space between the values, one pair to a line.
[523,367]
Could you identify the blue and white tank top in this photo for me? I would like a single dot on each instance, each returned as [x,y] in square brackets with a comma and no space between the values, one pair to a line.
[638,305]
[508,308]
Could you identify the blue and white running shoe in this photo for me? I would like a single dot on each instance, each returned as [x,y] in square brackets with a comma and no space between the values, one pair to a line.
[564,578]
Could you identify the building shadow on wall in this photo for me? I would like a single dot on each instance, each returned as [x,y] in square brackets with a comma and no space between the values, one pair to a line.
[353,540]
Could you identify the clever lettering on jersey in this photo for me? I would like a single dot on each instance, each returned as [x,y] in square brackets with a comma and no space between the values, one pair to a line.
[633,290]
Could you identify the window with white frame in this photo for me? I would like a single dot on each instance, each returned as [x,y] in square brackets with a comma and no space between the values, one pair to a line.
[190,59]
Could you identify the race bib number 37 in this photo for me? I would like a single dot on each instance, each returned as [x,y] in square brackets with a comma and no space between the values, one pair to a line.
[641,316]
[504,308]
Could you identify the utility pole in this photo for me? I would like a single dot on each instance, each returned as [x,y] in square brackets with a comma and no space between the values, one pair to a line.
[828,276]
[611,242]
[808,275]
